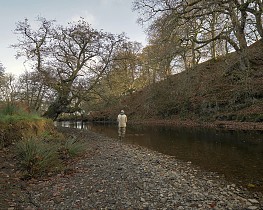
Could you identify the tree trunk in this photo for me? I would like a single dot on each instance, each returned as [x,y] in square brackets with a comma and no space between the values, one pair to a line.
[52,112]
[57,107]
[213,34]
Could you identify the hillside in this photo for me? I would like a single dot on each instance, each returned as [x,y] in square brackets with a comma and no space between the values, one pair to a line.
[213,91]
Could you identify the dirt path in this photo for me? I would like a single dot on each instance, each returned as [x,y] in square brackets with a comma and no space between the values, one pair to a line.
[115,175]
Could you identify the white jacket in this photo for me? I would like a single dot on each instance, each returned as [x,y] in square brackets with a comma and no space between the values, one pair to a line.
[122,120]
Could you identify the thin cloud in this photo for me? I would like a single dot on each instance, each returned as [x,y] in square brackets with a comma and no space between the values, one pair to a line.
[90,18]
[107,2]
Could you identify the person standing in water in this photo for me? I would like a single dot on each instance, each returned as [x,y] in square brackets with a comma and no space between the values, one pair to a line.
[122,120]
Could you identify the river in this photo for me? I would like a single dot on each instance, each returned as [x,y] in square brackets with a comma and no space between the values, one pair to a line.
[238,156]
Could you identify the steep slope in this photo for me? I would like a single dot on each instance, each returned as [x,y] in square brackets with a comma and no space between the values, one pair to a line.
[216,89]
[213,90]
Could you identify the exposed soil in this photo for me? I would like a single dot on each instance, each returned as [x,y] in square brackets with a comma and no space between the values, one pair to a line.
[116,175]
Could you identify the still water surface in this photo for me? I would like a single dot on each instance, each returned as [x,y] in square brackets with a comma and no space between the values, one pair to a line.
[236,155]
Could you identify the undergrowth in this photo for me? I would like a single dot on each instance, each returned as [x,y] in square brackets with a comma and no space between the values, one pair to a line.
[71,148]
[38,157]
[40,149]
[12,113]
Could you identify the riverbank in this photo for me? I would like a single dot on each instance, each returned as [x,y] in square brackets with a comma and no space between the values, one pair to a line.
[188,123]
[225,125]
[116,175]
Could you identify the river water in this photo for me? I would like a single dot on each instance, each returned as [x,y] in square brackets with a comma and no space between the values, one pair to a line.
[238,156]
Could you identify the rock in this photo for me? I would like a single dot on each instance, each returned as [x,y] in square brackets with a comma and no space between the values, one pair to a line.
[253,201]
[163,200]
[142,200]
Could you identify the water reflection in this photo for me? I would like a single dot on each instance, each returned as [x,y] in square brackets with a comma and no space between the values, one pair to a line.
[237,155]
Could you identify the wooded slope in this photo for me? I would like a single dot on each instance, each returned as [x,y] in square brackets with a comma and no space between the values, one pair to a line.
[213,90]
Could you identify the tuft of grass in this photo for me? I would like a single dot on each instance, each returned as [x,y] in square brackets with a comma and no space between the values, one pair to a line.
[37,157]
[71,148]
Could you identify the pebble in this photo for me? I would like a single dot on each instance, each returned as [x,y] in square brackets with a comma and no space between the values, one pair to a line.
[253,201]
[252,207]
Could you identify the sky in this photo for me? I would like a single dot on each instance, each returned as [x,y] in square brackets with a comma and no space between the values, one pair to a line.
[115,16]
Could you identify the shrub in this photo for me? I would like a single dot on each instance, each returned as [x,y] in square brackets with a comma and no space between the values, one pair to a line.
[9,109]
[259,118]
[71,148]
[12,113]
[37,158]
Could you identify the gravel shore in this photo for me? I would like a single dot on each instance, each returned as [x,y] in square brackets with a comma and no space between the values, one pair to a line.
[116,175]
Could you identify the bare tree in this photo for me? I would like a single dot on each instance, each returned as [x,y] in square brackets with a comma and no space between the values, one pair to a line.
[2,71]
[64,54]
[33,91]
[234,21]
[8,88]
[123,78]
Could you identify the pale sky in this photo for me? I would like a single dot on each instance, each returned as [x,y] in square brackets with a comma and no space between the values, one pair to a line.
[115,16]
